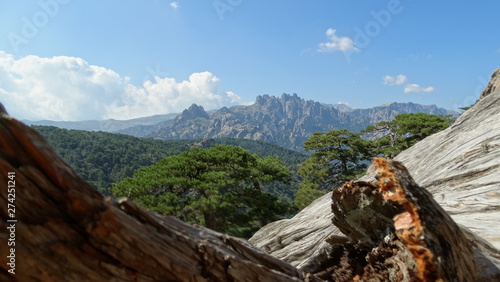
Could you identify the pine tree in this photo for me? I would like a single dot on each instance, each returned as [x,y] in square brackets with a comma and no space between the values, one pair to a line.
[219,187]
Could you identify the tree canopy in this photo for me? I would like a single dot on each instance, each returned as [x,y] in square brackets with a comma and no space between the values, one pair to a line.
[219,187]
[391,137]
[337,157]
[103,158]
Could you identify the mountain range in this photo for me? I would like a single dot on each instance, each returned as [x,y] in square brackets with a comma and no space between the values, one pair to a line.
[287,120]
[108,125]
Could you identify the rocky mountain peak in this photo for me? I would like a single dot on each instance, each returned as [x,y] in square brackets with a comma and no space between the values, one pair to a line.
[266,99]
[193,112]
[387,104]
[342,107]
[262,99]
[224,110]
[287,97]
[288,120]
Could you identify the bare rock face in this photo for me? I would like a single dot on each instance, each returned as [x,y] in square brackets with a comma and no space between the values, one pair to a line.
[288,120]
[493,85]
[459,166]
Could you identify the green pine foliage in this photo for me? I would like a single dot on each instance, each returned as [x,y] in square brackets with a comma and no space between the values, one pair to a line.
[103,158]
[405,131]
[466,108]
[337,156]
[219,187]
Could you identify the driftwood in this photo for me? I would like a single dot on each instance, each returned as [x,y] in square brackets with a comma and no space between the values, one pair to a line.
[63,230]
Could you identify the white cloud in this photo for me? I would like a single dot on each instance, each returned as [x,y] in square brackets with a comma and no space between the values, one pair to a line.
[408,88]
[336,43]
[68,88]
[415,88]
[397,80]
[174,5]
[164,95]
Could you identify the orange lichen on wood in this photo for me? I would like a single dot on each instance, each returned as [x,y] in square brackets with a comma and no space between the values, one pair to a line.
[408,225]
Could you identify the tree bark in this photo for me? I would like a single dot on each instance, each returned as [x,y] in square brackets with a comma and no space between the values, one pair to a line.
[395,232]
[210,220]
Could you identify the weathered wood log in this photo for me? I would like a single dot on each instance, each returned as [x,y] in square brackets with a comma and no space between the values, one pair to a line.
[395,232]
[66,231]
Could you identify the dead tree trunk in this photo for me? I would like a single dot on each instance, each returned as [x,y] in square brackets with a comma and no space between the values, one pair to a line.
[66,231]
[395,232]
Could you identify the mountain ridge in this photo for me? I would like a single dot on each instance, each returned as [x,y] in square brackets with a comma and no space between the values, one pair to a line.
[108,125]
[288,120]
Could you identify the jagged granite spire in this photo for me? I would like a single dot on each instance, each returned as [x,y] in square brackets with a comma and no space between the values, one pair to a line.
[193,112]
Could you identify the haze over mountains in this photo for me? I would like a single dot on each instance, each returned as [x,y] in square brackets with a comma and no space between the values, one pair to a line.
[287,120]
[109,125]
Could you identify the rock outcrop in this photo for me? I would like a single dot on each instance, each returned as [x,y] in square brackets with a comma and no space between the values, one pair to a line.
[459,166]
[287,121]
[493,85]
[191,113]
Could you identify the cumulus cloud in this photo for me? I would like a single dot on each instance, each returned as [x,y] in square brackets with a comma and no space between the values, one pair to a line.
[408,88]
[174,5]
[68,88]
[394,80]
[415,88]
[336,43]
[165,95]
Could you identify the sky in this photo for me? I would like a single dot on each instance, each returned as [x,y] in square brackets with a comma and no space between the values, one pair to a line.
[81,60]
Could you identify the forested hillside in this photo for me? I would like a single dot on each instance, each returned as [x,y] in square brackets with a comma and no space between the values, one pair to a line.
[103,158]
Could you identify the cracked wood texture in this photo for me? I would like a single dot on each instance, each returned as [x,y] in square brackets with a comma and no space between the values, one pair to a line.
[66,231]
[395,232]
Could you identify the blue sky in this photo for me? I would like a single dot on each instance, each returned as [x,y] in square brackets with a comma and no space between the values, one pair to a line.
[76,60]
